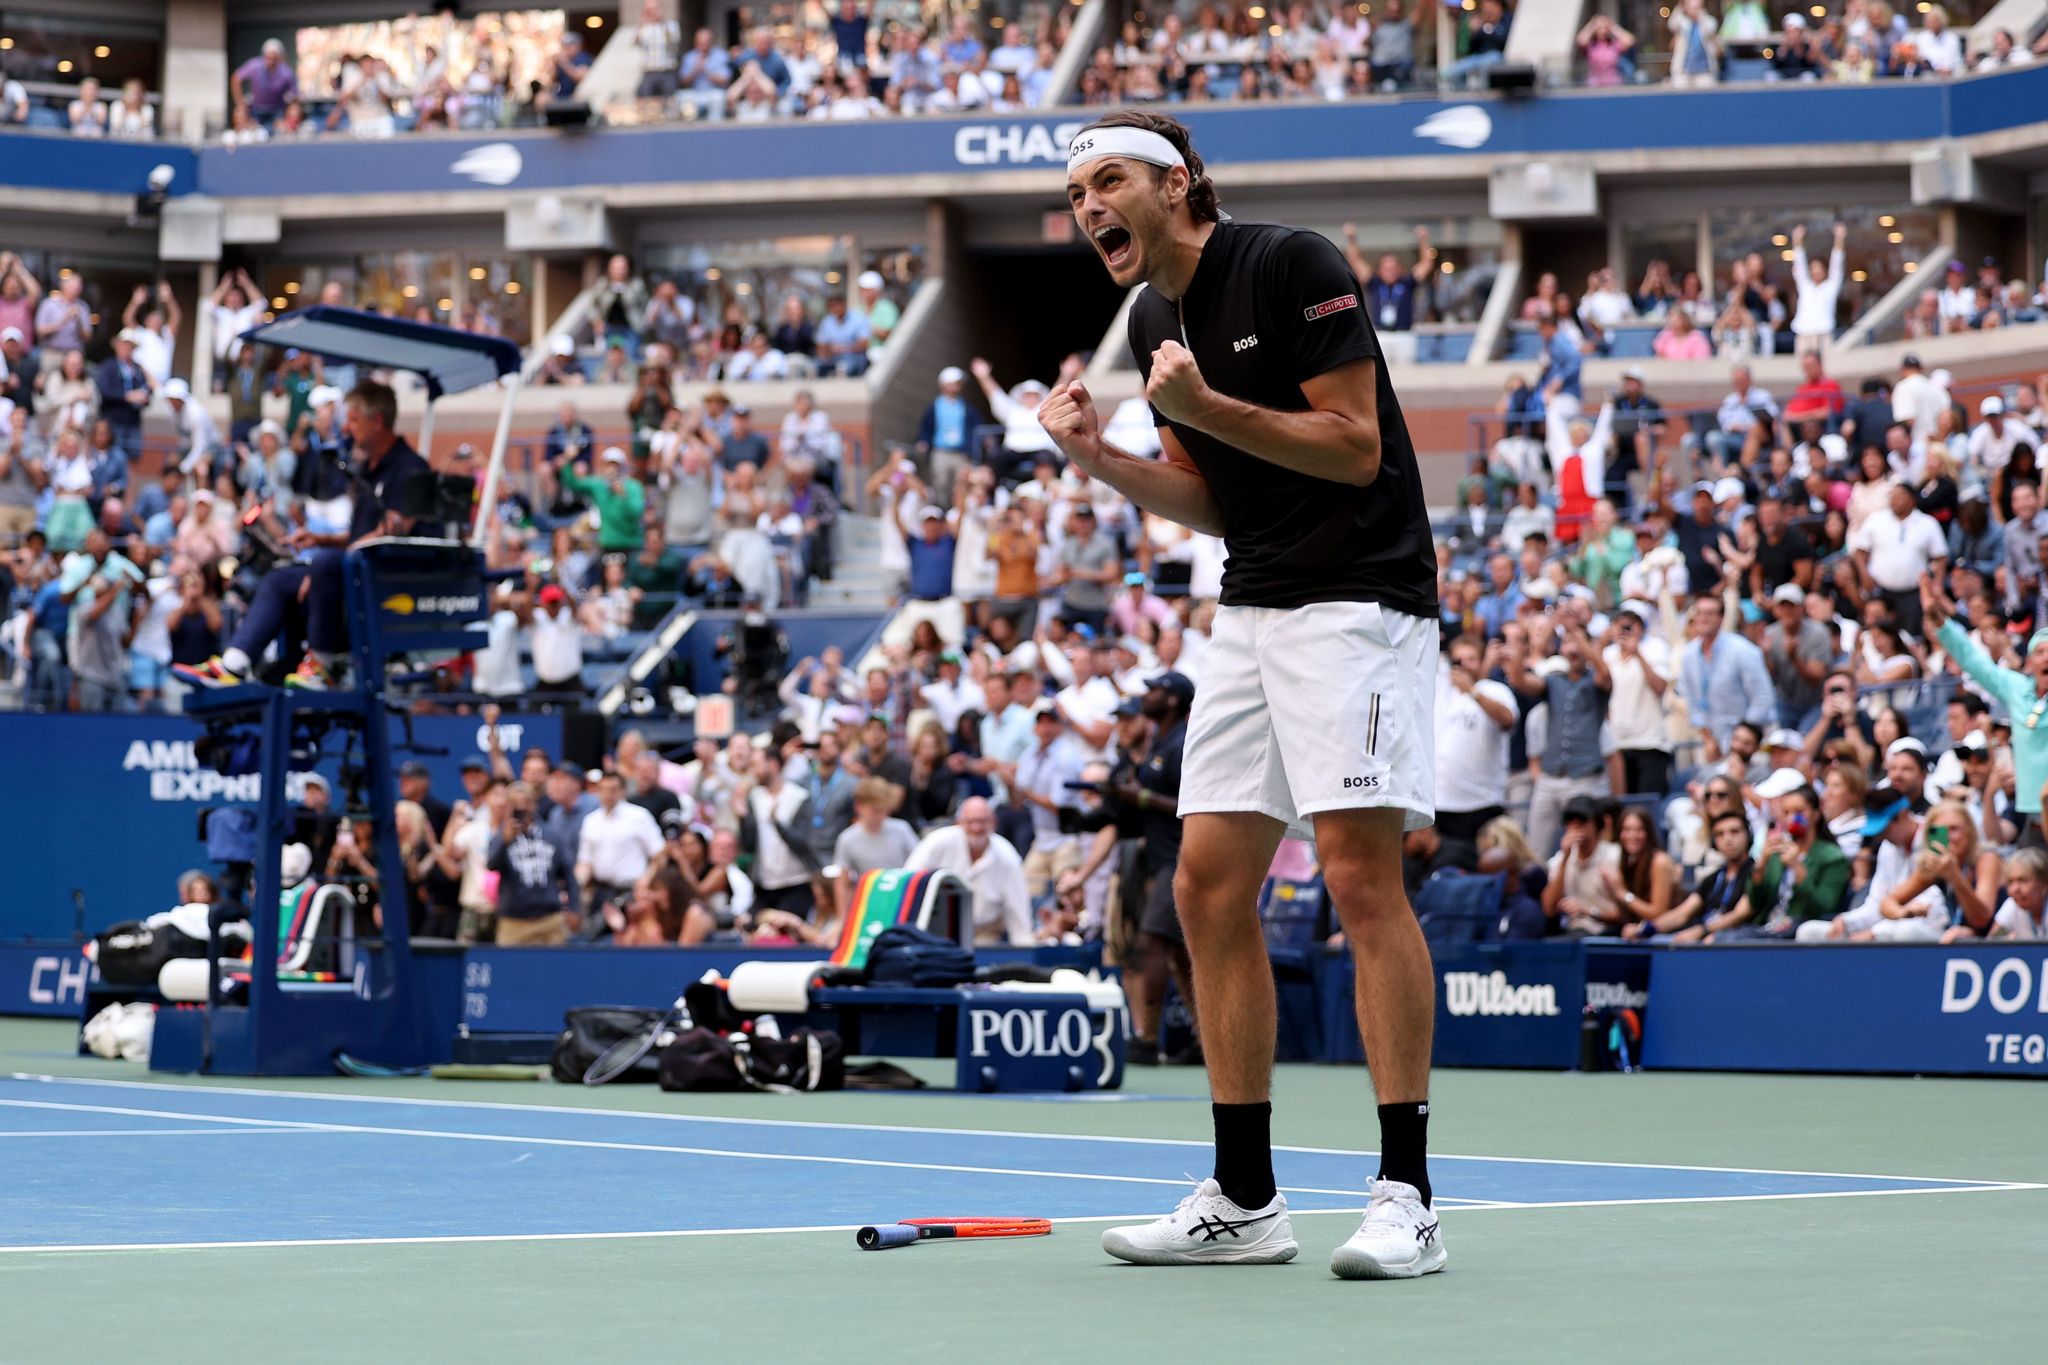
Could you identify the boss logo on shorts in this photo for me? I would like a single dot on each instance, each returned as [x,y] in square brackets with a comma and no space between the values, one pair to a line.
[1323,310]
[1370,782]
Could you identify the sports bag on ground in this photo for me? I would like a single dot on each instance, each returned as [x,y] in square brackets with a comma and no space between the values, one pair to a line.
[700,1059]
[587,1031]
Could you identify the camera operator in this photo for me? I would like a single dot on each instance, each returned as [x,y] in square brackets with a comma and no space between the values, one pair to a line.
[384,463]
[1148,783]
[757,654]
[536,882]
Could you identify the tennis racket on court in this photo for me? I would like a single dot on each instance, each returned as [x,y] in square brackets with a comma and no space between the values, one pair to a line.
[903,1234]
[616,1060]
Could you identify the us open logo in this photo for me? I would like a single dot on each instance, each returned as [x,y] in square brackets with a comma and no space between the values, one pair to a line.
[1322,310]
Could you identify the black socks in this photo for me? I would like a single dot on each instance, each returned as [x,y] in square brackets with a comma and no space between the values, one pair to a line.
[1404,1145]
[1244,1153]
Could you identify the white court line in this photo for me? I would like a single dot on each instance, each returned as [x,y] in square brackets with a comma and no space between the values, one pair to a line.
[592,1143]
[944,1132]
[433,1240]
[136,1132]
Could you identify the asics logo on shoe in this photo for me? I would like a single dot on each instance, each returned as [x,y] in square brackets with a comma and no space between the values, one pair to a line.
[1213,1229]
[1425,1235]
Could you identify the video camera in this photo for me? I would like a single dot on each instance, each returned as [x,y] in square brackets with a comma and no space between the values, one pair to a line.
[444,500]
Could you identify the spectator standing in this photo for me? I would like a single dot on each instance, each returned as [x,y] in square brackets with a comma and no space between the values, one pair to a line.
[124,392]
[879,309]
[620,305]
[536,883]
[1393,48]
[1722,677]
[154,317]
[1391,293]
[1916,400]
[1087,565]
[659,42]
[1695,45]
[131,116]
[64,319]
[1820,292]
[1895,546]
[1558,381]
[20,291]
[875,840]
[88,117]
[973,851]
[946,430]
[1572,763]
[1038,782]
[265,83]
[1639,668]
[614,845]
[1475,718]
[619,497]
[1798,651]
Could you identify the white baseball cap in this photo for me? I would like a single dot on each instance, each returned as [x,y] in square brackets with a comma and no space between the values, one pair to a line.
[1992,405]
[1730,487]
[952,374]
[562,345]
[612,455]
[1781,782]
[324,394]
[12,334]
[870,279]
[178,389]
[1784,739]
[1791,594]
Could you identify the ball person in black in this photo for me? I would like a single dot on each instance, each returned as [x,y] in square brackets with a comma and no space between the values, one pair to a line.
[1281,434]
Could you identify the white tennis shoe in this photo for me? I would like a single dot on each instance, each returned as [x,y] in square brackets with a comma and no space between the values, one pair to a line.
[1399,1239]
[1208,1229]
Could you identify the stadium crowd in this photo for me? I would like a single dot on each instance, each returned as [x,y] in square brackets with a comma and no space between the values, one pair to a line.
[675,334]
[1754,310]
[119,565]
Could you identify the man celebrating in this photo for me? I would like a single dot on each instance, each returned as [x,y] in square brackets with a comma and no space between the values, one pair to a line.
[1279,432]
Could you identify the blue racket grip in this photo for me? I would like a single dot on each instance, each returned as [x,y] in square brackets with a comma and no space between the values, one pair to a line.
[886,1236]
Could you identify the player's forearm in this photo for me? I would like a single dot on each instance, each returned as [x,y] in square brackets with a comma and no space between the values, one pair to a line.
[1162,487]
[1322,444]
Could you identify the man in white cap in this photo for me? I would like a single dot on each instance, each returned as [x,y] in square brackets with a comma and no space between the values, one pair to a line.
[881,312]
[198,433]
[1279,431]
[946,432]
[1996,436]
[1915,400]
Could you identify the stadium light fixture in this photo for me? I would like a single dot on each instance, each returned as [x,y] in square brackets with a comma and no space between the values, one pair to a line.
[65,65]
[1887,221]
[291,286]
[103,51]
[511,286]
[6,44]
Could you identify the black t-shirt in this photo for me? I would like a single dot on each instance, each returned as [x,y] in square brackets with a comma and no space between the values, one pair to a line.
[1160,772]
[377,491]
[1780,561]
[657,801]
[1268,308]
[1457,854]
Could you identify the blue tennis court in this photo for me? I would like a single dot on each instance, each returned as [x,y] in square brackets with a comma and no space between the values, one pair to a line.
[249,1166]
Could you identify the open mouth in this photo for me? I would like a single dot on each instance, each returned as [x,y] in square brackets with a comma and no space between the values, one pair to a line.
[1114,243]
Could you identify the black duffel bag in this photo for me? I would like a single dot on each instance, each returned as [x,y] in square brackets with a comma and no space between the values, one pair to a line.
[588,1030]
[132,953]
[807,1059]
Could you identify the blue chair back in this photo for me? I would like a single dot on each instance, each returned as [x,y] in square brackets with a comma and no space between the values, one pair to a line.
[1460,907]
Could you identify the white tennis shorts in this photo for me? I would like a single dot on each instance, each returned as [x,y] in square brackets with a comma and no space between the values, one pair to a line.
[1300,710]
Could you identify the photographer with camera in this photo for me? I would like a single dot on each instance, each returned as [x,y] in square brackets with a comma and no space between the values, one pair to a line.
[1147,784]
[384,464]
[536,883]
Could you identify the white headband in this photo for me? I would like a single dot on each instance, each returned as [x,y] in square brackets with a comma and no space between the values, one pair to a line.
[1139,144]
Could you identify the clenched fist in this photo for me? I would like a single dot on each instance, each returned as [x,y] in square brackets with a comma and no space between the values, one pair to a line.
[1176,386]
[1068,416]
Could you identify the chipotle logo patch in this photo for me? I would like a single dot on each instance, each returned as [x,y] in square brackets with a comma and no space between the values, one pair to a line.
[1336,305]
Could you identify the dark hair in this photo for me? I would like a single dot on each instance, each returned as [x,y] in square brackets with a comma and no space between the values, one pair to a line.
[1202,201]
[1636,869]
[1970,702]
[1737,816]
[1748,725]
[377,399]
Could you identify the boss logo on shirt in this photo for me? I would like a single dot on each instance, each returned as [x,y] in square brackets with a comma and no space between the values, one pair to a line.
[1336,305]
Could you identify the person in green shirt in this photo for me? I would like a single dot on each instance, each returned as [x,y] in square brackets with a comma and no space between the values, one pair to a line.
[1604,551]
[1801,875]
[2023,692]
[295,380]
[620,500]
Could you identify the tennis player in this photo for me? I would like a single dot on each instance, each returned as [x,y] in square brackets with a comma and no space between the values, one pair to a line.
[1280,433]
